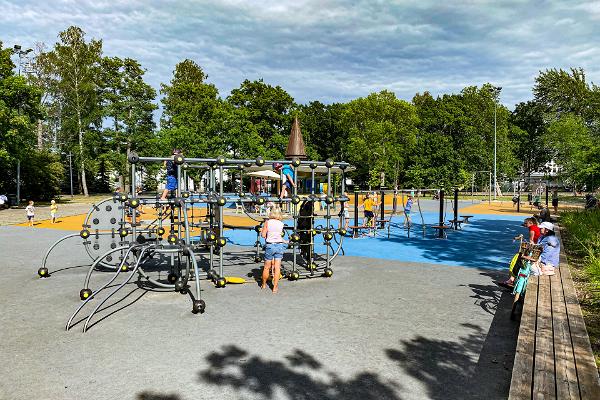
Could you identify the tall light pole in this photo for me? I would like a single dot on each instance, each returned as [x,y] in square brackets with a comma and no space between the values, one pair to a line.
[71,172]
[496,94]
[22,54]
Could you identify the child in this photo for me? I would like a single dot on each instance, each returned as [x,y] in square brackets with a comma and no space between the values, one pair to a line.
[171,176]
[407,208]
[53,210]
[272,232]
[346,211]
[534,230]
[287,175]
[367,205]
[555,200]
[30,210]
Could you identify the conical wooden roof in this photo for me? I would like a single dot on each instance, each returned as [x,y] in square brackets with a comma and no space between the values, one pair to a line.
[295,147]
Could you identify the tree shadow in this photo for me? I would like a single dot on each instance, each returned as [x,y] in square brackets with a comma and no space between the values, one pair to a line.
[294,376]
[156,396]
[477,365]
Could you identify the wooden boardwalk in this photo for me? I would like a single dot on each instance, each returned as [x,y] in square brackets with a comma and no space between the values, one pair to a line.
[554,358]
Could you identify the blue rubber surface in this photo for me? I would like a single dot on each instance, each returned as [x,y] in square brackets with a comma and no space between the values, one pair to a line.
[486,242]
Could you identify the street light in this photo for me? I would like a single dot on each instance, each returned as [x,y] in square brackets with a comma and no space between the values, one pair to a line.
[496,95]
[17,49]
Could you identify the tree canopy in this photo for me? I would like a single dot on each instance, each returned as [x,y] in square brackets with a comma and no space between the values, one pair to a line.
[99,107]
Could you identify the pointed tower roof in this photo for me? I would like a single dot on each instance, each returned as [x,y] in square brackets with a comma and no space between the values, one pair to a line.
[295,147]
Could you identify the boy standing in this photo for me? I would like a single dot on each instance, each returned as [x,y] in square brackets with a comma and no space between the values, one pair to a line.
[53,210]
[30,211]
[407,208]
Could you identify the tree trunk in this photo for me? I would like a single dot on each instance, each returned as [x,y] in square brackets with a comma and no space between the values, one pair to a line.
[40,134]
[83,180]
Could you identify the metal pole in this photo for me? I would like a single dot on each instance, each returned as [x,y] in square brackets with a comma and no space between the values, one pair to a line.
[355,230]
[71,172]
[441,230]
[490,191]
[519,197]
[495,176]
[455,209]
[18,182]
[382,210]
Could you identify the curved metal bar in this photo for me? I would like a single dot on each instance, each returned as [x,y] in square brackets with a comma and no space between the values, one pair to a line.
[54,245]
[339,248]
[133,272]
[99,260]
[68,326]
[192,257]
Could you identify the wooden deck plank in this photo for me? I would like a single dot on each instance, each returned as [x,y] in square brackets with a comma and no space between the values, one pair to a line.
[587,373]
[522,376]
[564,363]
[544,386]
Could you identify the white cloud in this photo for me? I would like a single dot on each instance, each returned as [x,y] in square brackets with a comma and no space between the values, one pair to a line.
[331,50]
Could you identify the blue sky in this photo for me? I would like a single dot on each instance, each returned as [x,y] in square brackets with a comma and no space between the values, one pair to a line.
[331,50]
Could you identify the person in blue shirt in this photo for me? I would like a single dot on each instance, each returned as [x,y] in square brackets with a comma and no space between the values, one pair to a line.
[171,176]
[550,257]
[407,208]
[287,174]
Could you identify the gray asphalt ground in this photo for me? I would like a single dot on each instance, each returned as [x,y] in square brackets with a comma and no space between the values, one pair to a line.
[375,330]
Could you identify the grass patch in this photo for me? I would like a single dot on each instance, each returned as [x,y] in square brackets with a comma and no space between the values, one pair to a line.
[582,243]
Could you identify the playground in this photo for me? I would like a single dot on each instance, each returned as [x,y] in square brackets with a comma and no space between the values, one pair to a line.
[402,317]
[379,328]
[168,234]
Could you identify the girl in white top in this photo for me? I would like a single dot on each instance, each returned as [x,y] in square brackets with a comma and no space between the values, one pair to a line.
[272,232]
[30,210]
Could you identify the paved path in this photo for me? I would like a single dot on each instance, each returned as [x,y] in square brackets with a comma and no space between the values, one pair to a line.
[379,329]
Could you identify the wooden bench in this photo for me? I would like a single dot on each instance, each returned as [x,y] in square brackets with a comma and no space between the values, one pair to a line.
[442,229]
[554,358]
[456,223]
[466,218]
[357,228]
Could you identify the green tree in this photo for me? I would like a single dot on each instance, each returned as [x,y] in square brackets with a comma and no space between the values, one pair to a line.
[19,113]
[190,112]
[128,103]
[322,130]
[528,133]
[576,151]
[571,109]
[382,130]
[75,65]
[267,108]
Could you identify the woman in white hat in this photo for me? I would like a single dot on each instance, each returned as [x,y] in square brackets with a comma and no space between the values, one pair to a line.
[550,257]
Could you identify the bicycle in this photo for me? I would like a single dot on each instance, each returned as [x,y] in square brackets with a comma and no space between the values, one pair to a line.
[527,253]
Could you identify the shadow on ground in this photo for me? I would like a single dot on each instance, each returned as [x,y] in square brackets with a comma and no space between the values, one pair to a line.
[294,377]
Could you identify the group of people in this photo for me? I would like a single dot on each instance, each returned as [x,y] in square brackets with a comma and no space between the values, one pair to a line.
[30,212]
[371,204]
[541,234]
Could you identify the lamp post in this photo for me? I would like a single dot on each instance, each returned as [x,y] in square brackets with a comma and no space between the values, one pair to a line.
[17,49]
[496,94]
[71,172]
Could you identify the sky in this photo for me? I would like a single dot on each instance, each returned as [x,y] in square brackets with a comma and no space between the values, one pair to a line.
[331,51]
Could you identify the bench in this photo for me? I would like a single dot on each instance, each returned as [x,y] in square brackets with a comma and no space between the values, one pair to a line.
[442,229]
[554,358]
[456,223]
[357,228]
[466,218]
